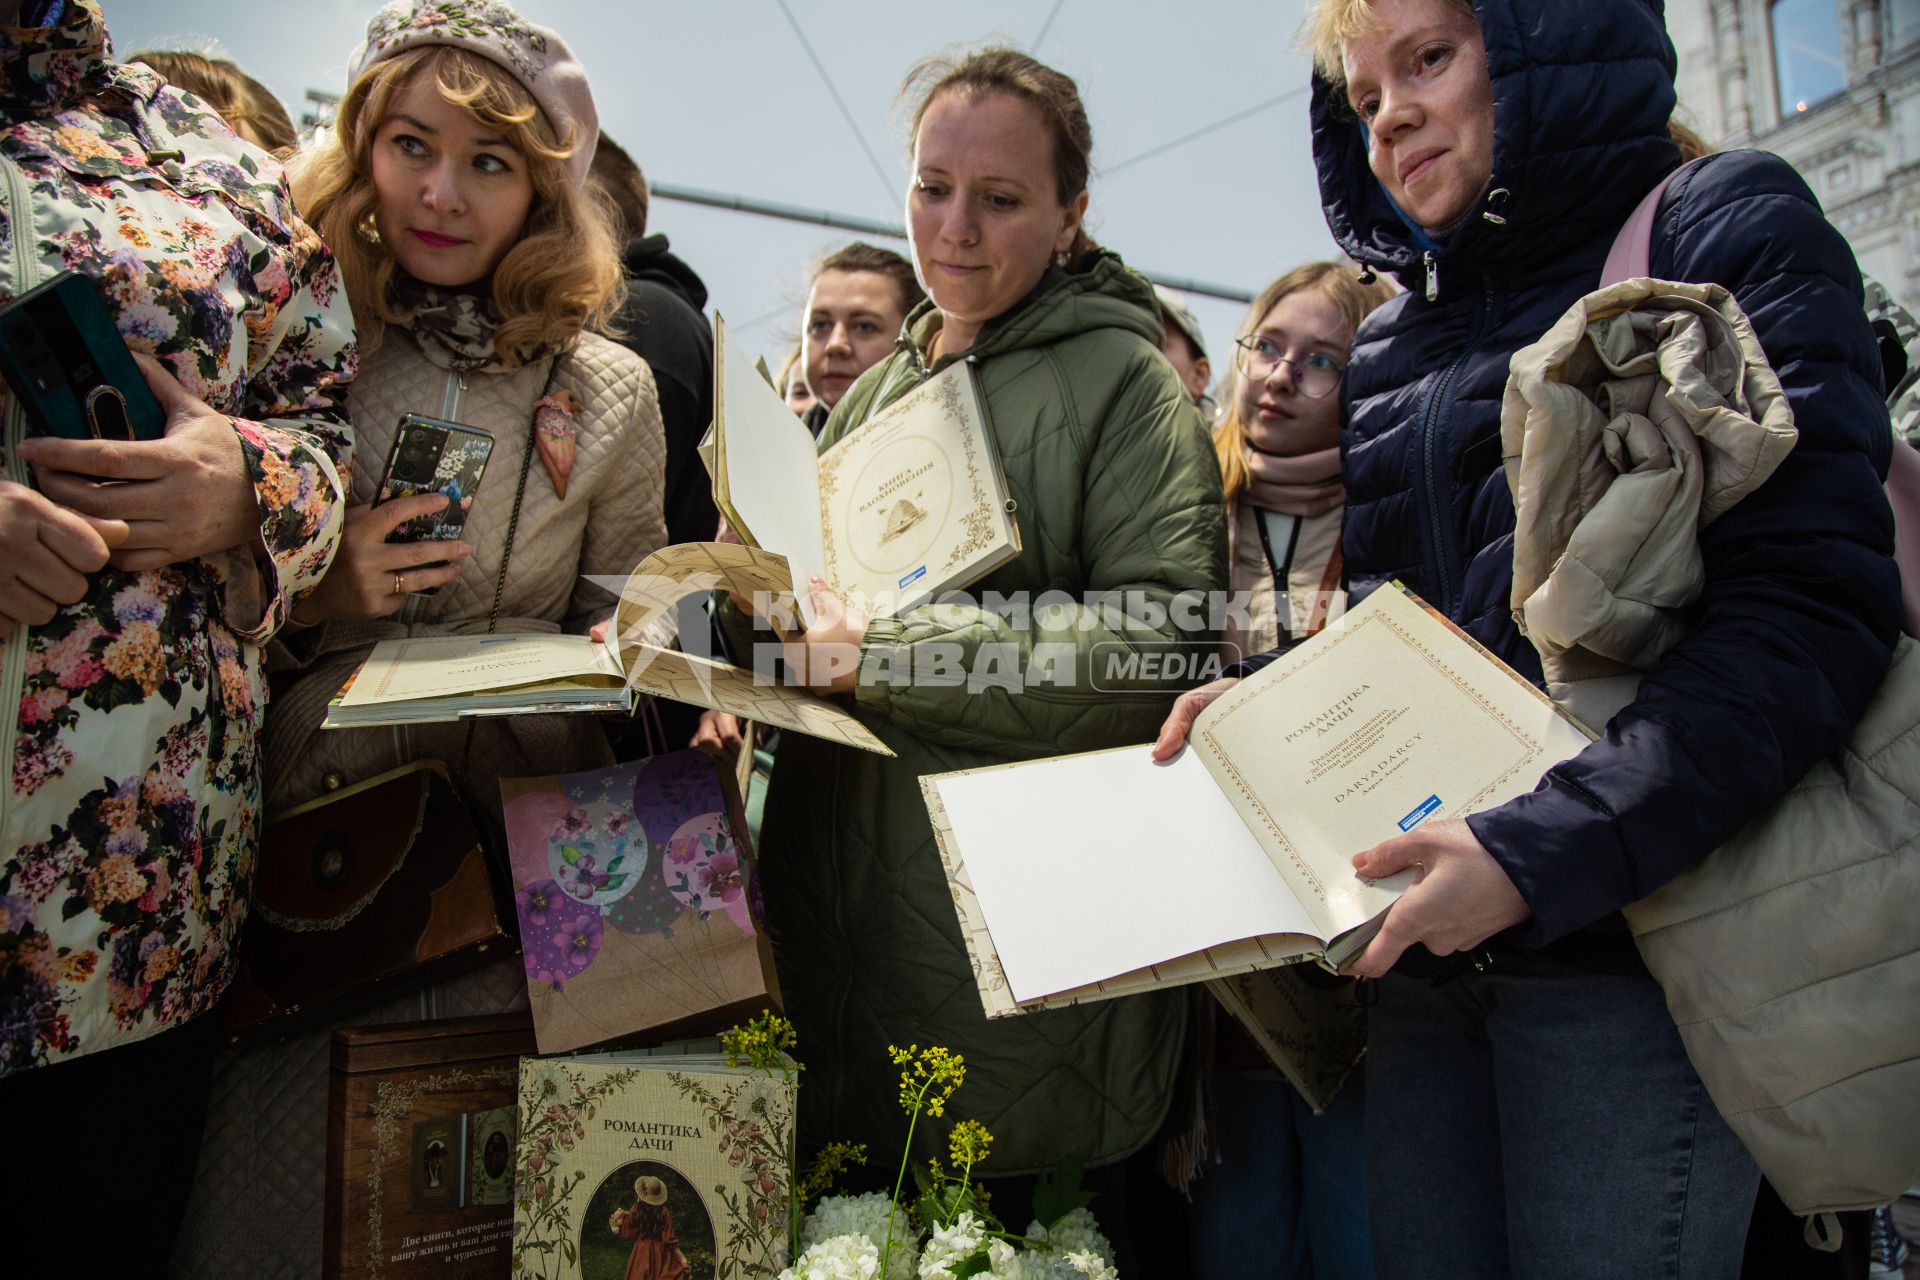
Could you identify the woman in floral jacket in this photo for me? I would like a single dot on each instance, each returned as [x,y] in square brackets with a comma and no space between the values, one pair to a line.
[132,613]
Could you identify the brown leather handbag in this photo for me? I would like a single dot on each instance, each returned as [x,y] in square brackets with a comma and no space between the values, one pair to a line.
[361,894]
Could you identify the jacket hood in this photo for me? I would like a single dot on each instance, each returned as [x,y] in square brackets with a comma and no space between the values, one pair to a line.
[1582,93]
[648,258]
[1103,293]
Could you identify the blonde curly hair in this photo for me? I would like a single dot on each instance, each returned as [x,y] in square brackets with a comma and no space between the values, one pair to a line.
[562,276]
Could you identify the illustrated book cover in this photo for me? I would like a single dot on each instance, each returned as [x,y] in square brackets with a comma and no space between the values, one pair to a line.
[1091,876]
[422,1125]
[636,894]
[907,505]
[435,678]
[651,1164]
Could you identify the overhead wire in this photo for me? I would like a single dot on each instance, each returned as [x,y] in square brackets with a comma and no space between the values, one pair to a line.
[886,184]
[1203,131]
[1046,26]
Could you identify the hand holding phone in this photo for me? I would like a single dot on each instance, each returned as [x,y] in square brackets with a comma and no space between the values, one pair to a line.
[183,496]
[372,577]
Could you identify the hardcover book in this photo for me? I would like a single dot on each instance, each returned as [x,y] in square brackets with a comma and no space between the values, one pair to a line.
[421,1129]
[1235,855]
[433,678]
[910,503]
[655,1163]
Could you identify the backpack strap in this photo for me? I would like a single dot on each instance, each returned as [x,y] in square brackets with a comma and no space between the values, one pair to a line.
[1632,254]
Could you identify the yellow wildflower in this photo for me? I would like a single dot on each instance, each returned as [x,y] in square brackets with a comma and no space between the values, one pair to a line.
[969,1143]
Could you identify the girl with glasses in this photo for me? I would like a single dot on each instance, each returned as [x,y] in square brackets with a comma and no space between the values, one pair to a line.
[1283,405]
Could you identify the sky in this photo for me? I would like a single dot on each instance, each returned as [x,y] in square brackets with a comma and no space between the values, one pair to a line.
[724,95]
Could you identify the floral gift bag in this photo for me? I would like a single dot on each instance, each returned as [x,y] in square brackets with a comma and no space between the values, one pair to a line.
[637,903]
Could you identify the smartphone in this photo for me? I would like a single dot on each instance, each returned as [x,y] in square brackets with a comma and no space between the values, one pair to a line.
[434,456]
[64,359]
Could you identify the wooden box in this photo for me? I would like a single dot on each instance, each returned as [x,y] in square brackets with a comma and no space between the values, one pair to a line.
[420,1143]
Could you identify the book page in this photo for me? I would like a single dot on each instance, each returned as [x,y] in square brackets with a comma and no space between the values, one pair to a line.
[766,457]
[1093,866]
[912,502]
[671,574]
[447,666]
[1385,720]
[702,682]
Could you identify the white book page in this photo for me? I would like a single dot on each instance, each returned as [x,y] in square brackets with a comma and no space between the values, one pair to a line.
[772,476]
[1095,865]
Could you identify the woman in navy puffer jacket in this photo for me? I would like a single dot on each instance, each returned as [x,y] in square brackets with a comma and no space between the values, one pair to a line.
[1533,1113]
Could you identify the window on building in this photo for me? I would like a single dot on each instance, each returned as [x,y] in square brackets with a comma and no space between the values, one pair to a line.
[1807,59]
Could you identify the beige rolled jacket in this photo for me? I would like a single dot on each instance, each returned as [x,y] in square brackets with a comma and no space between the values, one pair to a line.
[1787,954]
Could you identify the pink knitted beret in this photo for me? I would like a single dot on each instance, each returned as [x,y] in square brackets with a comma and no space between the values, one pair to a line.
[537,57]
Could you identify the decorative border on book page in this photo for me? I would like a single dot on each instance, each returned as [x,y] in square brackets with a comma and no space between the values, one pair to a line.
[1354,623]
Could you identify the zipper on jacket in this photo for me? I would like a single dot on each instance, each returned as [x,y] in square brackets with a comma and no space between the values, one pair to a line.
[1438,495]
[1433,276]
[450,398]
[14,676]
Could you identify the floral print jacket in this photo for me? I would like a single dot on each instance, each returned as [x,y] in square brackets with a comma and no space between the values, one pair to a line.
[128,830]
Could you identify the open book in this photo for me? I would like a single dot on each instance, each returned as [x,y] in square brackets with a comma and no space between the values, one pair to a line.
[424,679]
[1097,875]
[909,504]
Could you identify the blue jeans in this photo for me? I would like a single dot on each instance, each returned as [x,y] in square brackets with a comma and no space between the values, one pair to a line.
[1538,1120]
[1288,1199]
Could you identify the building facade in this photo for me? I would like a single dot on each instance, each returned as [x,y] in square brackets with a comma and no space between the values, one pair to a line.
[1833,86]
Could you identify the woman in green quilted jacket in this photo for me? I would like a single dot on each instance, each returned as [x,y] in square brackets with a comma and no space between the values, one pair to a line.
[1117,491]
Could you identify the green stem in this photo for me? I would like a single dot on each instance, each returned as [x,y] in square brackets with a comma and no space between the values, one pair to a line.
[900,1178]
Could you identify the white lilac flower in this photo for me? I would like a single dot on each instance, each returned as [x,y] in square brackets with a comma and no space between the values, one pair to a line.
[848,1257]
[1004,1263]
[865,1215]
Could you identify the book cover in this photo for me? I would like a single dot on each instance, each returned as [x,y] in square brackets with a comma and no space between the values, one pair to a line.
[420,1141]
[651,1165]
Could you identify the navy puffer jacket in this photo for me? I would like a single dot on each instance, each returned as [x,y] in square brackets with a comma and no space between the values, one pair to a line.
[1797,621]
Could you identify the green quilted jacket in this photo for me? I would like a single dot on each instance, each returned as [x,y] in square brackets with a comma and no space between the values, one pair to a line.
[1117,491]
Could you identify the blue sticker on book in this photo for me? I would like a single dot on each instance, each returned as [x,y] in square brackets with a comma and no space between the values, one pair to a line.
[1421,814]
[914,577]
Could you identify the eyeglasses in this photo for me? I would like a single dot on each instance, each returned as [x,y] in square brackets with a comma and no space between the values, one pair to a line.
[1258,357]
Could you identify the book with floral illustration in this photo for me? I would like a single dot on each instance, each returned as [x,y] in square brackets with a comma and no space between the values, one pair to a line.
[635,890]
[908,504]
[1091,876]
[654,1163]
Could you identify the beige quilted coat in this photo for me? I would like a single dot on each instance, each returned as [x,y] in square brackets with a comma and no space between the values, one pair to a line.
[610,519]
[1788,966]
[259,1192]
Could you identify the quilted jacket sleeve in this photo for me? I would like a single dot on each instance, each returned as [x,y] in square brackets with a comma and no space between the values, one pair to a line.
[293,429]
[626,522]
[1796,624]
[1151,546]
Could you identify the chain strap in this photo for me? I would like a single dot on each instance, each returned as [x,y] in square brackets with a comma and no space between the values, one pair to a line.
[506,554]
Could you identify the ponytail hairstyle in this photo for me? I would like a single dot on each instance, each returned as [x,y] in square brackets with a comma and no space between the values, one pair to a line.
[1056,96]
[562,277]
[1340,282]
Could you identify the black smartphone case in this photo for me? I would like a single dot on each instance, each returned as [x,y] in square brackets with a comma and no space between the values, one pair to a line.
[64,359]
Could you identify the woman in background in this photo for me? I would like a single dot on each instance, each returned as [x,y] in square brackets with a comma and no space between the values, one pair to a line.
[249,107]
[1303,1176]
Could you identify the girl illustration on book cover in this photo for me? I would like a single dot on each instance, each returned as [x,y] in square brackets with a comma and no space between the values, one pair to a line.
[648,1223]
